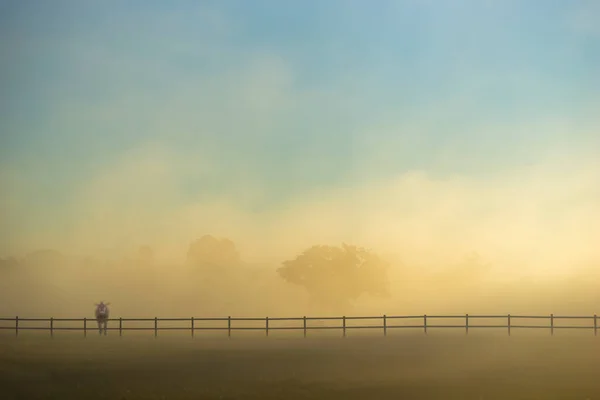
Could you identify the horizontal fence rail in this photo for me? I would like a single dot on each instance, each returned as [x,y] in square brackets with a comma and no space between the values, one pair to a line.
[423,322]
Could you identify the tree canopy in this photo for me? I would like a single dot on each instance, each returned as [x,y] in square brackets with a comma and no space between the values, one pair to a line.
[336,276]
[46,258]
[8,263]
[211,254]
[145,256]
[471,270]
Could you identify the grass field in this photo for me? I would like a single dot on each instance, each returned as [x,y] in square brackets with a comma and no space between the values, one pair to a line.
[441,365]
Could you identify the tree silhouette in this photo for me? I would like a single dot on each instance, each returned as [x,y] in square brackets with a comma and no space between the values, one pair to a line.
[145,257]
[46,258]
[471,270]
[466,278]
[8,263]
[9,267]
[215,259]
[336,276]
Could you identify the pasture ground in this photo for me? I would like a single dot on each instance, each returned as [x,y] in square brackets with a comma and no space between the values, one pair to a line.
[441,365]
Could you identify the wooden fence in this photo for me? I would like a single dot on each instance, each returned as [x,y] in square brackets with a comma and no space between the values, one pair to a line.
[387,323]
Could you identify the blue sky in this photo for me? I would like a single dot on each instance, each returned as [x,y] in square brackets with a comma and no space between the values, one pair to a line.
[257,103]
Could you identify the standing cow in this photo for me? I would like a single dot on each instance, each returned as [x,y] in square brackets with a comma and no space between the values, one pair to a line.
[102,314]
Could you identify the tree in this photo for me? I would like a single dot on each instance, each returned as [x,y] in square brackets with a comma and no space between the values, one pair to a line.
[336,276]
[464,279]
[145,257]
[10,263]
[214,268]
[46,258]
[209,251]
[471,270]
[8,267]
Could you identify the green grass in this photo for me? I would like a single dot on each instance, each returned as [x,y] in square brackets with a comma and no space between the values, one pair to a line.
[441,365]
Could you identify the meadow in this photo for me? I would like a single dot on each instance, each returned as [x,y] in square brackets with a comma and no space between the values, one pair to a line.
[440,365]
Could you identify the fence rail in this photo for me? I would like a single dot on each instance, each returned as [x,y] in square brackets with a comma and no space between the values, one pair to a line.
[343,326]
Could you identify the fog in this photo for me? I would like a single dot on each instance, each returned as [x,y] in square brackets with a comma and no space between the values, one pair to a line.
[469,164]
[533,233]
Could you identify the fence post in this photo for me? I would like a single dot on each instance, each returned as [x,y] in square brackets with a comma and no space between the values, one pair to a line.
[51,326]
[192,319]
[120,326]
[344,325]
[551,324]
[425,323]
[467,323]
[304,318]
[84,326]
[595,325]
[508,324]
[155,326]
[384,325]
[17,325]
[229,326]
[267,326]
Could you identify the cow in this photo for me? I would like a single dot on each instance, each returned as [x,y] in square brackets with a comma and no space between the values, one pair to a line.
[102,314]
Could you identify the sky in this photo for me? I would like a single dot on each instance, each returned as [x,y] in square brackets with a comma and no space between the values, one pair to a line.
[427,129]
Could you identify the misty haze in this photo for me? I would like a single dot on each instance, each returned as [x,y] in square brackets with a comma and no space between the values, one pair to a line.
[272,159]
